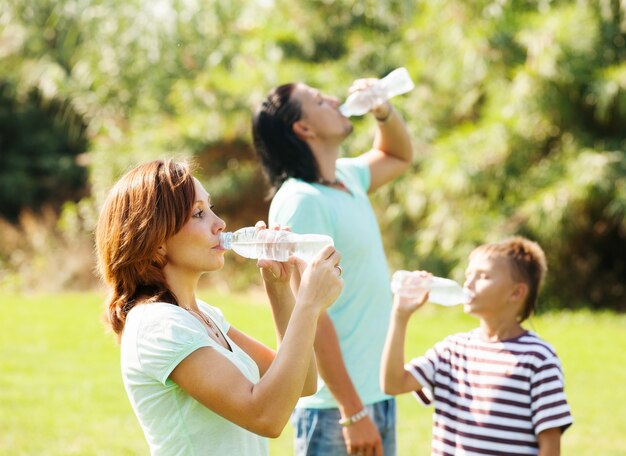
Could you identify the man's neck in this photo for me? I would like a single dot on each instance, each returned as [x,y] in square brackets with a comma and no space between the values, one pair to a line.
[326,158]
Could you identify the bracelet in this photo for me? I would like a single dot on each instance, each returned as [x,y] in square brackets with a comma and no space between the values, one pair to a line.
[386,118]
[358,416]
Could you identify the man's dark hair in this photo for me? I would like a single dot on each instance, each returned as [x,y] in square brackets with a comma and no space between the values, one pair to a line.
[281,152]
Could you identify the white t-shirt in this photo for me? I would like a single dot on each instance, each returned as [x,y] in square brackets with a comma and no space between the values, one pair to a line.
[156,337]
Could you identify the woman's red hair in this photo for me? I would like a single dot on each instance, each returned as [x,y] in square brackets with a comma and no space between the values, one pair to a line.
[146,207]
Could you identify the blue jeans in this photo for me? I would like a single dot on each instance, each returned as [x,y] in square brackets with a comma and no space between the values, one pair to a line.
[318,433]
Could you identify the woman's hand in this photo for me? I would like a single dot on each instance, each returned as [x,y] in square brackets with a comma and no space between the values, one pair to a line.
[321,281]
[277,272]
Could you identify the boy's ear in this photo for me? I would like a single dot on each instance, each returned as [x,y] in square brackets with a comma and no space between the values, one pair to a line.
[520,291]
[302,130]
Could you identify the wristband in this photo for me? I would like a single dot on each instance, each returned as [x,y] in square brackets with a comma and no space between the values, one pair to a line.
[358,416]
[386,118]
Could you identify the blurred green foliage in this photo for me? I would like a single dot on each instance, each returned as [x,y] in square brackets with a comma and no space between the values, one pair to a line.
[517,117]
[40,141]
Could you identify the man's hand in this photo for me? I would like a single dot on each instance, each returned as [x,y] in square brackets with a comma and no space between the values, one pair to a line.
[363,438]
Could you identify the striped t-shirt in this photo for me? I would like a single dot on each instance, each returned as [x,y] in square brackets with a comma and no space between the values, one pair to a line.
[491,398]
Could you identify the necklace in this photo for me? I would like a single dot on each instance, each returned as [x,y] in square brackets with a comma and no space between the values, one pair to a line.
[208,322]
[329,183]
[336,184]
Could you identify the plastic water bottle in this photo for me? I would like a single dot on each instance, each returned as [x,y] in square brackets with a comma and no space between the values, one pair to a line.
[445,292]
[276,245]
[361,102]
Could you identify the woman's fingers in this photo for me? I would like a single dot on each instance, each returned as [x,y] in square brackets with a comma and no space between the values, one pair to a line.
[262,225]
[329,253]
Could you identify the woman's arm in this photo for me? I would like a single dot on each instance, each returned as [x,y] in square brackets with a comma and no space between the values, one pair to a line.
[262,408]
[258,351]
[265,407]
[276,279]
[263,357]
[282,302]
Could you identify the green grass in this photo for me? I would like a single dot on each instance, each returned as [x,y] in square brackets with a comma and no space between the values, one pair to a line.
[61,391]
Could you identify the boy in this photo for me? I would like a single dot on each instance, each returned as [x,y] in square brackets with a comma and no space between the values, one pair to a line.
[498,389]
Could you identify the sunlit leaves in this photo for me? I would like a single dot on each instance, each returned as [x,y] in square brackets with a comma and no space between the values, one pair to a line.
[517,117]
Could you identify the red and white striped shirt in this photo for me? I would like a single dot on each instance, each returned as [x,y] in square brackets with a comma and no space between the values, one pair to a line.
[491,398]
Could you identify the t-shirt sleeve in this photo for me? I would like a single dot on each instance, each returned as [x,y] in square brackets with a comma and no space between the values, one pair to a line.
[165,338]
[357,170]
[424,368]
[303,213]
[549,407]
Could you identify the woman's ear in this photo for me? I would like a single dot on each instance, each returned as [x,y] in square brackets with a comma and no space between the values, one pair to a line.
[161,250]
[302,130]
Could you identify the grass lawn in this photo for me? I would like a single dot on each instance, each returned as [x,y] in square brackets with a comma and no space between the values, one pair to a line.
[61,391]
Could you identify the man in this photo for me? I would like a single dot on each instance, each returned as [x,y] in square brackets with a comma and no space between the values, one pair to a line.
[297,134]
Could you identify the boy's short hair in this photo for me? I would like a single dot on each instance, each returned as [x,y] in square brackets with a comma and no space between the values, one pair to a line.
[528,265]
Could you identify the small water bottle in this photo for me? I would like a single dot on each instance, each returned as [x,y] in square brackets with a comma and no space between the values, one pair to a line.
[276,245]
[445,292]
[361,102]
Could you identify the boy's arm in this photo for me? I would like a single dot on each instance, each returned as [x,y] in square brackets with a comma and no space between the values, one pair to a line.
[394,379]
[550,442]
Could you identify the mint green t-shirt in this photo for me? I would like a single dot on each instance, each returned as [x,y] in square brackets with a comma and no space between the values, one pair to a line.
[156,338]
[361,313]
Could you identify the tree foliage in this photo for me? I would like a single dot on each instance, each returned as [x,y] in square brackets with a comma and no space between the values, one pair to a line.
[522,145]
[40,142]
[517,115]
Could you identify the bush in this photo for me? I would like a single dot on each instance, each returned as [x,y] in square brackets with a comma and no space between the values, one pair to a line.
[41,142]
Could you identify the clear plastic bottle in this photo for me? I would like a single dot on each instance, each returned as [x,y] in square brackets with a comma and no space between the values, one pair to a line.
[445,292]
[395,83]
[276,245]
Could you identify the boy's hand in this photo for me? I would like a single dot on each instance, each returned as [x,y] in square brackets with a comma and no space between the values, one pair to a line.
[413,293]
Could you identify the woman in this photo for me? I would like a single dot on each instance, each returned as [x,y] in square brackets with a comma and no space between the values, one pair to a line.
[196,383]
